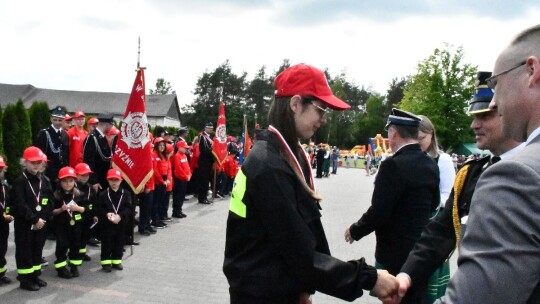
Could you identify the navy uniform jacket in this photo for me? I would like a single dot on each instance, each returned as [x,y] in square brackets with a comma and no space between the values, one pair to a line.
[278,247]
[438,239]
[98,157]
[206,158]
[406,193]
[56,147]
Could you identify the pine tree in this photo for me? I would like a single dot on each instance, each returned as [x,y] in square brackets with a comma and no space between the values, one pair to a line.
[39,117]
[17,136]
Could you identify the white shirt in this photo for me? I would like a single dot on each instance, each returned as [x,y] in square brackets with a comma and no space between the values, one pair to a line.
[447,174]
[533,135]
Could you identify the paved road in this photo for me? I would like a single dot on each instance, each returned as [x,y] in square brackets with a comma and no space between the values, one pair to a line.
[182,263]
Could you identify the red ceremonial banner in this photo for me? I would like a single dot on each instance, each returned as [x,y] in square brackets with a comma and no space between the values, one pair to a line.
[132,154]
[219,149]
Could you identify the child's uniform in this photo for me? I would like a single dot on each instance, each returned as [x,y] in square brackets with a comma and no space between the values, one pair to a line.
[30,203]
[89,196]
[182,174]
[112,242]
[68,227]
[4,228]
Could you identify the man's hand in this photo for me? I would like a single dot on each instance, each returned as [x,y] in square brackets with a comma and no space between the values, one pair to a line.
[386,287]
[96,187]
[348,237]
[404,283]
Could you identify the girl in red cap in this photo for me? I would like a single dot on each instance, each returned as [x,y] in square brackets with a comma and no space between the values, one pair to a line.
[182,175]
[31,209]
[68,221]
[114,208]
[162,179]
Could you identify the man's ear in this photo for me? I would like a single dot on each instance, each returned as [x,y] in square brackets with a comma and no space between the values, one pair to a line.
[296,103]
[534,71]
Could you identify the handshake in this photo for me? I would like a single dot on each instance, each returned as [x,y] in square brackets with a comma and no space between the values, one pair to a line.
[390,289]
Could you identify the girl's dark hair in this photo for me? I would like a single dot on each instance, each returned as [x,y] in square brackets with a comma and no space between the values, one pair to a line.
[162,155]
[281,116]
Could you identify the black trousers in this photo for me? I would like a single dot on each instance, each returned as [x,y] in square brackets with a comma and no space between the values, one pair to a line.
[68,238]
[4,234]
[112,243]
[28,250]
[145,204]
[205,174]
[179,194]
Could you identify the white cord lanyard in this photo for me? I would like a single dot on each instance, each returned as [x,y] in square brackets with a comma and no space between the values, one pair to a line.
[32,188]
[119,201]
[292,155]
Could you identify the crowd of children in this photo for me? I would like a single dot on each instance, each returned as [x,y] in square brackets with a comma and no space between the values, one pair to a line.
[74,209]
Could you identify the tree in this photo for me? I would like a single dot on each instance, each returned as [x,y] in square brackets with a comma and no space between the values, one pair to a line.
[162,88]
[395,94]
[18,137]
[39,117]
[212,88]
[259,93]
[440,90]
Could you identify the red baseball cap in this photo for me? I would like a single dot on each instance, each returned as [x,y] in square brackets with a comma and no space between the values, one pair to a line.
[82,169]
[67,117]
[303,79]
[66,172]
[78,114]
[114,174]
[181,144]
[92,121]
[113,131]
[33,153]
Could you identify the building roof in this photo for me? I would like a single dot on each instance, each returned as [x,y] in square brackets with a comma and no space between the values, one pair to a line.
[88,102]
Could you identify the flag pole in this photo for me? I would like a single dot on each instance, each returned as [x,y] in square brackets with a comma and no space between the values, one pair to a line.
[135,196]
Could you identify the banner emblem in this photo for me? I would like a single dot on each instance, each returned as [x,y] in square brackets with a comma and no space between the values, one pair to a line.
[135,130]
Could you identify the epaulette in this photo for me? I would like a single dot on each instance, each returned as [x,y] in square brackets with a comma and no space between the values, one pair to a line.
[479,160]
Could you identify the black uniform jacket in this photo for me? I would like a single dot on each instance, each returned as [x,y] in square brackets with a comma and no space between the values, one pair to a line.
[206,158]
[5,203]
[98,157]
[89,199]
[121,200]
[24,202]
[278,247]
[438,239]
[406,192]
[56,147]
[60,198]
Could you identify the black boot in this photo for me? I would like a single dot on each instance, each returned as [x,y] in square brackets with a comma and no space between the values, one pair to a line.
[29,285]
[74,271]
[40,282]
[64,273]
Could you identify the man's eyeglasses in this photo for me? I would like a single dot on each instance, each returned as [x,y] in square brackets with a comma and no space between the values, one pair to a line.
[492,81]
[322,110]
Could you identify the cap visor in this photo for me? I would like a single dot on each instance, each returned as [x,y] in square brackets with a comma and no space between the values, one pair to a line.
[334,103]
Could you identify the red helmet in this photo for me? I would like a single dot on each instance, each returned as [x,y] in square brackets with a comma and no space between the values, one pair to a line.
[67,117]
[82,168]
[66,172]
[2,162]
[33,153]
[92,121]
[113,131]
[78,114]
[181,144]
[114,174]
[169,148]
[157,140]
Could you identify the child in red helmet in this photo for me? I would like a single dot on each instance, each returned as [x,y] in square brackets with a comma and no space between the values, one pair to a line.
[68,223]
[31,209]
[114,208]
[89,198]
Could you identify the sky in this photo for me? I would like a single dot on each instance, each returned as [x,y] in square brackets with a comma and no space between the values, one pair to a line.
[92,45]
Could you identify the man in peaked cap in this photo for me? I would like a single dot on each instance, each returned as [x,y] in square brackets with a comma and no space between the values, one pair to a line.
[406,193]
[206,161]
[441,236]
[54,142]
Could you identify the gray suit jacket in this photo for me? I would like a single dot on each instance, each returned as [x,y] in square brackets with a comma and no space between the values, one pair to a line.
[499,258]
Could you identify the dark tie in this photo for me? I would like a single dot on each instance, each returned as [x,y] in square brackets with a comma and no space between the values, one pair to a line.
[494,159]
